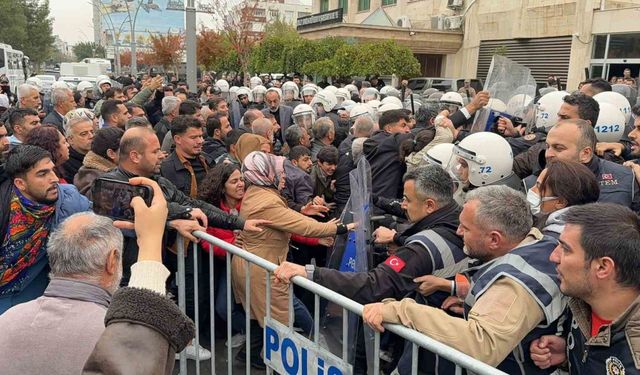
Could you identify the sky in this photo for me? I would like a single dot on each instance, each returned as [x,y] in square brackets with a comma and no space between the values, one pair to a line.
[72,20]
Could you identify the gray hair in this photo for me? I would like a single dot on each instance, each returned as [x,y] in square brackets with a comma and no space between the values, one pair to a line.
[357,148]
[81,251]
[363,126]
[321,128]
[59,95]
[250,116]
[169,104]
[432,181]
[261,127]
[25,89]
[70,124]
[503,209]
[293,135]
[135,122]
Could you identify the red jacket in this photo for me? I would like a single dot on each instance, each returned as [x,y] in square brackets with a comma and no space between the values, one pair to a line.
[226,235]
[229,236]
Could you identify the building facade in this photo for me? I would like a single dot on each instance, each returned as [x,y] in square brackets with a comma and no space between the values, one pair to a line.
[266,11]
[571,39]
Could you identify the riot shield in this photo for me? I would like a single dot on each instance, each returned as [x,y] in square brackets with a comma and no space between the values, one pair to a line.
[507,82]
[351,253]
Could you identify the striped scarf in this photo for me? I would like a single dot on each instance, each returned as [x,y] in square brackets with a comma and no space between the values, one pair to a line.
[25,241]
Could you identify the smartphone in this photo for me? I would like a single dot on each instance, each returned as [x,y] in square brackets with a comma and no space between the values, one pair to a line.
[112,198]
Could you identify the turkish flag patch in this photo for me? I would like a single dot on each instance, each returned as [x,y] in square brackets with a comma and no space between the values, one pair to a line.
[395,263]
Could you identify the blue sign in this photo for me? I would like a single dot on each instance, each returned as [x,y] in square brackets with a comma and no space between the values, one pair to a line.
[288,352]
[152,17]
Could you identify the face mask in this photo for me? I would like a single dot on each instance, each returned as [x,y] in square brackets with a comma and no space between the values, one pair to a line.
[535,202]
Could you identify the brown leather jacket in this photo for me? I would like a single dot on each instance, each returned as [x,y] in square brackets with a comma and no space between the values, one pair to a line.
[143,332]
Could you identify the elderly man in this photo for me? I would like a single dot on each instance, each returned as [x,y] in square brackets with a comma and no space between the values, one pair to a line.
[281,112]
[80,134]
[170,107]
[514,296]
[63,102]
[324,132]
[29,97]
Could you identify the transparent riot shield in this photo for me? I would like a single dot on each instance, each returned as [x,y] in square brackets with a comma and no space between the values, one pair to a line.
[627,91]
[351,254]
[508,83]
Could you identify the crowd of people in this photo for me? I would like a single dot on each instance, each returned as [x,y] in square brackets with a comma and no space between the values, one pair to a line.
[516,241]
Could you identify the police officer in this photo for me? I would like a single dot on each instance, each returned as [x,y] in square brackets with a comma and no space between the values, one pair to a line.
[575,140]
[240,106]
[291,94]
[599,270]
[514,295]
[431,245]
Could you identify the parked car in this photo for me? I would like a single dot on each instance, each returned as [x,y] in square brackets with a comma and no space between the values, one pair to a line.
[419,84]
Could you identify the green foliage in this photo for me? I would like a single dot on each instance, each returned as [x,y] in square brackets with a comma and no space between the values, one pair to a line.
[284,51]
[26,25]
[83,50]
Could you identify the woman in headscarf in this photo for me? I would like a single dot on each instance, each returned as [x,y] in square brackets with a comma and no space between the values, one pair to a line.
[264,173]
[248,143]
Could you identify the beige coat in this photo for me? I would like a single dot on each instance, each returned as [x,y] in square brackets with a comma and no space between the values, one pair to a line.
[271,244]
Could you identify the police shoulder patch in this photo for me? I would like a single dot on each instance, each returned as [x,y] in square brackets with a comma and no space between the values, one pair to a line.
[614,366]
[395,263]
[529,137]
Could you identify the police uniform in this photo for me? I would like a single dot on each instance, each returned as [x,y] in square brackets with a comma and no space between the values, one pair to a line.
[615,350]
[432,247]
[522,144]
[513,300]
[617,183]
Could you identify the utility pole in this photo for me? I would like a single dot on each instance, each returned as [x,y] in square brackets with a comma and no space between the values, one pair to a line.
[190,28]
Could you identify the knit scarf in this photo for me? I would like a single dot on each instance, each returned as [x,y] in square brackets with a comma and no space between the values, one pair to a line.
[25,241]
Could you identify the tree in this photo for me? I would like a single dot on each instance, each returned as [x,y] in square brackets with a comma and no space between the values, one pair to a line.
[168,50]
[83,50]
[210,48]
[236,20]
[39,43]
[26,25]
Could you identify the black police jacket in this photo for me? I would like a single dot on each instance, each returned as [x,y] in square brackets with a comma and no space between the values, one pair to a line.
[394,277]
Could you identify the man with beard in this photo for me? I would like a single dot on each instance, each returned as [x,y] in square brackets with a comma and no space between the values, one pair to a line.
[281,112]
[33,204]
[80,134]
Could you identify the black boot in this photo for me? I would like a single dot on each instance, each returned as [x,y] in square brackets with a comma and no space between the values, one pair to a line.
[255,343]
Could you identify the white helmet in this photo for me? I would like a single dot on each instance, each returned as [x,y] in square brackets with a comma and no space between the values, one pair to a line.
[369,94]
[391,99]
[308,90]
[327,99]
[496,105]
[360,110]
[481,159]
[353,90]
[244,91]
[617,100]
[331,88]
[390,91]
[254,82]
[101,77]
[102,82]
[610,124]
[452,98]
[548,107]
[35,82]
[258,93]
[304,116]
[517,104]
[374,104]
[59,85]
[290,91]
[84,86]
[440,155]
[342,94]
[389,107]
[223,85]
[417,103]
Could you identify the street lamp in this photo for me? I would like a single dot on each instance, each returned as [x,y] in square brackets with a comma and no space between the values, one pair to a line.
[116,43]
[132,23]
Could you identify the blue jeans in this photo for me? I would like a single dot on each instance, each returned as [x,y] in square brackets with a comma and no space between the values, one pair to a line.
[237,312]
[302,316]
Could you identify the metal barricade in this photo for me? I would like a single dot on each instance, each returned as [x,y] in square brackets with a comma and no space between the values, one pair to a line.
[417,339]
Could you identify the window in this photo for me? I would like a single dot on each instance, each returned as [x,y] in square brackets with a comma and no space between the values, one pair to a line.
[324,5]
[388,2]
[274,13]
[599,46]
[259,12]
[363,5]
[624,46]
[344,4]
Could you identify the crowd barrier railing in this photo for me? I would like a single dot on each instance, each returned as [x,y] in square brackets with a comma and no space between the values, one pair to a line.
[417,339]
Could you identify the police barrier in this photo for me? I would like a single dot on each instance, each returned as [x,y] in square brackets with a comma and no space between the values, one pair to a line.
[285,351]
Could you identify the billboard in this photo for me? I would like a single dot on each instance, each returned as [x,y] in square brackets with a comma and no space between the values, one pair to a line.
[152,18]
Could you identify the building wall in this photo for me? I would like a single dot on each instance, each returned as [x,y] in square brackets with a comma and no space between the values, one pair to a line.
[287,10]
